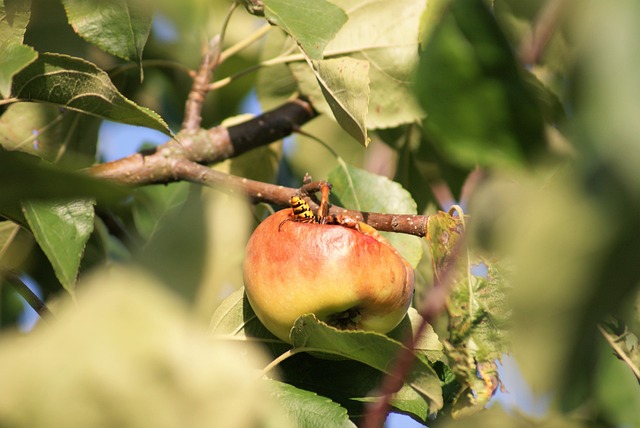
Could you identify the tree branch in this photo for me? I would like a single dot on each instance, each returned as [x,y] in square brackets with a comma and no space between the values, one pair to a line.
[534,43]
[200,87]
[280,195]
[206,146]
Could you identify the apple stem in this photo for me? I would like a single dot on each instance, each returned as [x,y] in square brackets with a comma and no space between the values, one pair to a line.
[290,353]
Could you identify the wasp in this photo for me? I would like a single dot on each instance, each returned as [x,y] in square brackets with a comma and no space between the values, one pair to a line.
[301,211]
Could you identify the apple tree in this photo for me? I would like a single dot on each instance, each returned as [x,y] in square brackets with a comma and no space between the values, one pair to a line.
[482,154]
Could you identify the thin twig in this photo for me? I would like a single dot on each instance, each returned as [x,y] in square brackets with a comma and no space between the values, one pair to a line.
[534,43]
[620,352]
[29,296]
[200,87]
[247,41]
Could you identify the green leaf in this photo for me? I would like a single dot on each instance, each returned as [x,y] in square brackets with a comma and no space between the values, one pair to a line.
[344,84]
[235,317]
[480,111]
[360,190]
[293,17]
[50,133]
[120,27]
[374,349]
[79,85]
[14,58]
[477,312]
[428,343]
[175,247]
[275,84]
[346,382]
[24,177]
[62,230]
[15,55]
[384,34]
[308,409]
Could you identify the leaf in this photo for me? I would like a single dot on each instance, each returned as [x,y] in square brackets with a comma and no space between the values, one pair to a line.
[384,34]
[373,349]
[174,249]
[428,344]
[477,314]
[15,245]
[489,116]
[293,17]
[347,382]
[50,133]
[15,55]
[308,409]
[360,190]
[24,177]
[130,346]
[235,317]
[344,83]
[62,230]
[120,27]
[79,85]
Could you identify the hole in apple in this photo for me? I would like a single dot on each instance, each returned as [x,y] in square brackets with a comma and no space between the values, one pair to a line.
[346,320]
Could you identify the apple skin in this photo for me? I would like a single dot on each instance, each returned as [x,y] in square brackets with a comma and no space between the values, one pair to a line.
[347,278]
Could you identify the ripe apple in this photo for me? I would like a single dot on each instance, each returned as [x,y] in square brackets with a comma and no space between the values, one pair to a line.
[349,279]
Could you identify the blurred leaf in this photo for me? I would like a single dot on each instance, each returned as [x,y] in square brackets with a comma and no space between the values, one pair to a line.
[50,132]
[308,409]
[496,416]
[373,349]
[132,356]
[15,243]
[292,16]
[25,177]
[384,34]
[550,105]
[421,166]
[553,293]
[79,85]
[120,27]
[489,117]
[11,306]
[275,84]
[62,230]
[360,190]
[15,55]
[228,225]
[153,202]
[344,84]
[175,250]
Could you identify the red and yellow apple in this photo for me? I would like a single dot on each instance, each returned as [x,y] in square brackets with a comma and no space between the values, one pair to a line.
[348,278]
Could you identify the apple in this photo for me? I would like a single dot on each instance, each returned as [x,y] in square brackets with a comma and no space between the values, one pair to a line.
[349,278]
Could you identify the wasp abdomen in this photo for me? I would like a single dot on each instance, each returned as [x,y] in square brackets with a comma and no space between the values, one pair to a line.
[301,210]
